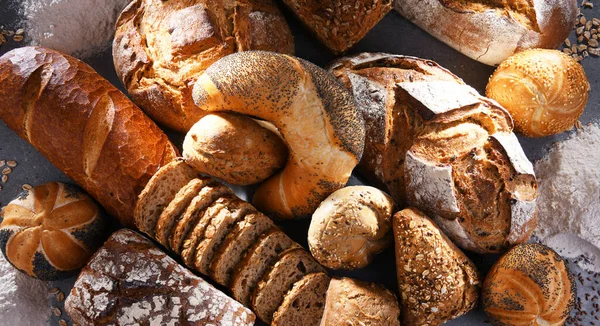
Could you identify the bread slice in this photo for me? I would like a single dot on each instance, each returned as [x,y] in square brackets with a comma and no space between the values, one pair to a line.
[174,211]
[259,259]
[217,230]
[192,214]
[236,244]
[303,305]
[188,251]
[291,266]
[159,192]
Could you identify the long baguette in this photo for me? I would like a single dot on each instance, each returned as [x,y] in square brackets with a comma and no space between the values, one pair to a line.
[84,126]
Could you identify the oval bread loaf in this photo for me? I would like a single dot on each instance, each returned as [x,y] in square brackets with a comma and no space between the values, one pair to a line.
[316,116]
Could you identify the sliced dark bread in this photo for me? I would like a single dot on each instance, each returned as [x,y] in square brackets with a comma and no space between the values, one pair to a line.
[259,259]
[303,305]
[159,192]
[174,211]
[194,211]
[188,251]
[217,230]
[291,266]
[236,244]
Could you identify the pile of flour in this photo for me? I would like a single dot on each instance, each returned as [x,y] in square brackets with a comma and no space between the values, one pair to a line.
[23,299]
[569,200]
[78,27]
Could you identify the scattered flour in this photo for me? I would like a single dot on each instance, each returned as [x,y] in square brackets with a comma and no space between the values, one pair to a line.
[23,300]
[569,201]
[78,27]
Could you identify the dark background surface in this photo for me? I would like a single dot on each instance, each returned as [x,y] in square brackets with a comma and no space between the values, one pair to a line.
[393,34]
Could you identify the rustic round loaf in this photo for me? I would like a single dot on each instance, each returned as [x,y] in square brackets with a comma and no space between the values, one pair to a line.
[316,116]
[350,227]
[160,47]
[529,285]
[234,148]
[545,91]
[51,231]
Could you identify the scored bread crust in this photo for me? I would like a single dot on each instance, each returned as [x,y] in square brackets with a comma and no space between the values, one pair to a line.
[304,303]
[83,125]
[491,31]
[160,47]
[316,116]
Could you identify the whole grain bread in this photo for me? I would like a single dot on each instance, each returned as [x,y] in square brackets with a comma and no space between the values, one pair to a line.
[244,234]
[129,281]
[259,259]
[291,266]
[303,305]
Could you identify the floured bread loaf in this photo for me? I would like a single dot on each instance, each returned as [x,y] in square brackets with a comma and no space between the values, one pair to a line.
[129,281]
[438,145]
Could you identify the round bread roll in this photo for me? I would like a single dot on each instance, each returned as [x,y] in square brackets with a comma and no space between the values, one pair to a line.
[316,116]
[350,227]
[529,285]
[545,91]
[51,231]
[234,148]
[160,47]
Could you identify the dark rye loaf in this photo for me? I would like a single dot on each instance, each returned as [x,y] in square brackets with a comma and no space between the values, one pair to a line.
[129,281]
[303,305]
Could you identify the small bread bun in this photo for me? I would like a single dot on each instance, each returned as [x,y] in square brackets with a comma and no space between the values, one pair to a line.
[545,91]
[350,227]
[529,285]
[234,148]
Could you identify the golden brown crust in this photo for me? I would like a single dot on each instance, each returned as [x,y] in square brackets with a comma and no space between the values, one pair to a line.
[530,285]
[316,116]
[109,146]
[342,23]
[545,91]
[160,47]
[437,281]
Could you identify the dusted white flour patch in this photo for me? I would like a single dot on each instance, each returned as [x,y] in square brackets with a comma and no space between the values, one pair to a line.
[586,255]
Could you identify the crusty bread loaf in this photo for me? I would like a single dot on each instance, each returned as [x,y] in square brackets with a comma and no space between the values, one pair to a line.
[130,281]
[545,91]
[530,285]
[350,226]
[437,282]
[443,148]
[234,149]
[339,24]
[303,305]
[490,31]
[160,47]
[83,125]
[352,302]
[316,116]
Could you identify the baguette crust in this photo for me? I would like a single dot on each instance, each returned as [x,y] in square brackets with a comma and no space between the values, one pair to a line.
[109,147]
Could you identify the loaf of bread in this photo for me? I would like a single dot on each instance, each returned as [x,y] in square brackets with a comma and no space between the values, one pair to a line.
[436,144]
[316,116]
[437,282]
[83,125]
[350,227]
[130,281]
[545,91]
[234,149]
[352,302]
[50,231]
[530,285]
[160,47]
[304,303]
[339,24]
[491,31]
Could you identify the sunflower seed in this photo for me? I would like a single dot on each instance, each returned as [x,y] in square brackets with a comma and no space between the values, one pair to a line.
[588,25]
[579,30]
[62,322]
[57,312]
[20,31]
[2,163]
[60,296]
[593,43]
[18,38]
[26,187]
[54,291]
[11,164]
[567,51]
[568,43]
[6,171]
[5,178]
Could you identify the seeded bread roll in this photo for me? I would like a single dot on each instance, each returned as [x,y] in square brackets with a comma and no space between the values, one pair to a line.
[438,145]
[437,282]
[303,305]
[530,285]
[545,91]
[160,47]
[315,115]
[490,31]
